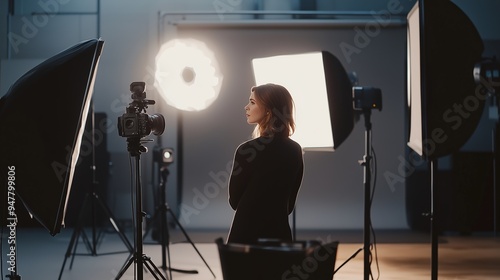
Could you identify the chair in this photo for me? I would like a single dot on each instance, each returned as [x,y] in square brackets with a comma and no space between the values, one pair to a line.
[273,260]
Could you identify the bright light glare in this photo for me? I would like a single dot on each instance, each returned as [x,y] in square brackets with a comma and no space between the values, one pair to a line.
[167,155]
[187,74]
[414,87]
[304,77]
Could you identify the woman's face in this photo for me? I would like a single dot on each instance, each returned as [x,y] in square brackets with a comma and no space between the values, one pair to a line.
[255,111]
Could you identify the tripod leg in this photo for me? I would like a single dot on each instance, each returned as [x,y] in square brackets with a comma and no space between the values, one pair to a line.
[164,232]
[350,258]
[62,268]
[169,265]
[80,232]
[74,253]
[165,248]
[152,268]
[74,237]
[165,241]
[189,239]
[87,242]
[125,267]
[114,224]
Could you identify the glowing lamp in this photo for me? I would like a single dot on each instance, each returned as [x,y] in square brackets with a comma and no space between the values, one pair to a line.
[187,74]
[322,93]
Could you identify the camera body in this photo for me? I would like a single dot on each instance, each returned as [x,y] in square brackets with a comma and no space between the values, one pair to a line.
[136,123]
[365,98]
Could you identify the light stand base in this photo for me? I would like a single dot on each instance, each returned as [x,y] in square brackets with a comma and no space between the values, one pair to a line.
[192,244]
[92,246]
[143,260]
[164,231]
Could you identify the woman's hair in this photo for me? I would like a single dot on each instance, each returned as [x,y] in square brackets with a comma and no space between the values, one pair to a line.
[278,102]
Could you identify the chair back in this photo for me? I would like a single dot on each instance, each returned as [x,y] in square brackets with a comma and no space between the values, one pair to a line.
[273,260]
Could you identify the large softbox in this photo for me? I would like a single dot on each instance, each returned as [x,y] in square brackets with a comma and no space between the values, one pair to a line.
[445,103]
[42,120]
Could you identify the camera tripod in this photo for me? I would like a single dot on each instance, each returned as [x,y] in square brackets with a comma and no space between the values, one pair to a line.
[164,234]
[135,149]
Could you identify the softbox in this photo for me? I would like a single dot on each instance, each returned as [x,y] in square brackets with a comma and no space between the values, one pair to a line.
[322,93]
[42,120]
[445,103]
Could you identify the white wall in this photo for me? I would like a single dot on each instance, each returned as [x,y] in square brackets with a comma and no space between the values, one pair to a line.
[332,190]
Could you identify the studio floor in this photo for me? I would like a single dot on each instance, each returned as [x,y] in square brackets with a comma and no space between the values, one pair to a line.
[399,255]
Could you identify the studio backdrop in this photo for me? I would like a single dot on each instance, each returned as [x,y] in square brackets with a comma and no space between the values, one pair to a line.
[332,191]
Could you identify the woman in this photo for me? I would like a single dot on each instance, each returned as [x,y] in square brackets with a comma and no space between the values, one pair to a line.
[267,170]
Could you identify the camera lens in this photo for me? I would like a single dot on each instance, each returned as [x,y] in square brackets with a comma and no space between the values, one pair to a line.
[157,124]
[129,123]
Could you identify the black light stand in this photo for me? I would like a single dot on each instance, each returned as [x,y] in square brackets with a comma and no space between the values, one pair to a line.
[365,162]
[93,198]
[365,99]
[135,149]
[164,233]
[434,220]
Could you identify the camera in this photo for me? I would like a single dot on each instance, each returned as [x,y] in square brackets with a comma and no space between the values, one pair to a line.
[140,124]
[367,98]
[136,122]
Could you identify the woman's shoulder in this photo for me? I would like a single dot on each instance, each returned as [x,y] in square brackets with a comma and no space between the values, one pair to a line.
[248,142]
[264,141]
[292,143]
[287,143]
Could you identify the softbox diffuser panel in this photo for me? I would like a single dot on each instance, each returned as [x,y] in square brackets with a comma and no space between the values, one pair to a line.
[42,119]
[445,103]
[322,93]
